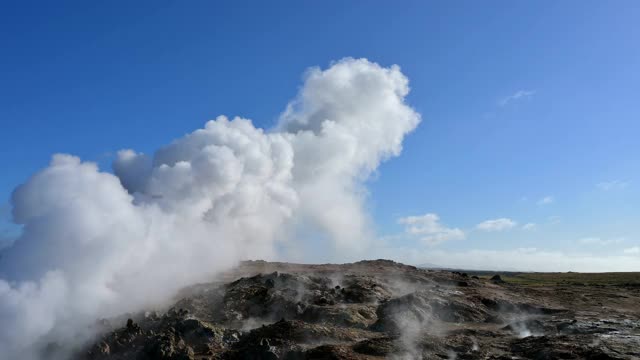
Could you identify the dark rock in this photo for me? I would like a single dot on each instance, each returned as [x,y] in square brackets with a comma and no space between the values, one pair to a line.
[381,309]
[381,346]
[166,346]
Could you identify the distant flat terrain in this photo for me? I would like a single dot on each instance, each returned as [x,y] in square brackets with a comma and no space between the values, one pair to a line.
[586,279]
[564,278]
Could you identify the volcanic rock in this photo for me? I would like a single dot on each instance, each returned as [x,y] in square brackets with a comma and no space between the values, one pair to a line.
[375,310]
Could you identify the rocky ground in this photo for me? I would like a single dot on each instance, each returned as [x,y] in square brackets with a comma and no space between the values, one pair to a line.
[376,310]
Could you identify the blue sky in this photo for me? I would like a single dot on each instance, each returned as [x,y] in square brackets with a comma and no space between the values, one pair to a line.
[521,101]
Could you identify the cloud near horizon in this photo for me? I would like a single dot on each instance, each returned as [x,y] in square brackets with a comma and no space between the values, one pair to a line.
[429,229]
[632,250]
[600,241]
[496,225]
[517,259]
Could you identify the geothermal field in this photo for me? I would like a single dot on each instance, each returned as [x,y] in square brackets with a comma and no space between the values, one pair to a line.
[383,310]
[259,180]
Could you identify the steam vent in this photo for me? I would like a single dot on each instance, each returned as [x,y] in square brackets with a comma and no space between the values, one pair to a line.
[377,310]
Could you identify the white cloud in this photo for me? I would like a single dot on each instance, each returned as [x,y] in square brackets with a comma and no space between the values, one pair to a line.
[600,241]
[518,95]
[529,226]
[546,200]
[632,250]
[612,185]
[429,229]
[496,224]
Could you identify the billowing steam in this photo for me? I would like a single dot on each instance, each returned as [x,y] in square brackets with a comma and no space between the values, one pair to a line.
[96,244]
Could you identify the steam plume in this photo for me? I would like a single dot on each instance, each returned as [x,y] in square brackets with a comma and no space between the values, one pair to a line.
[96,244]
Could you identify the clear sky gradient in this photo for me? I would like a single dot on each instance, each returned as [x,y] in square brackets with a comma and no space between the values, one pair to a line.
[531,110]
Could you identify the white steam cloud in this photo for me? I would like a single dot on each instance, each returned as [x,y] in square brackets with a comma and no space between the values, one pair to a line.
[96,244]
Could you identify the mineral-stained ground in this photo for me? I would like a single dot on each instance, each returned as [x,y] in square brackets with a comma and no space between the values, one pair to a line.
[377,310]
